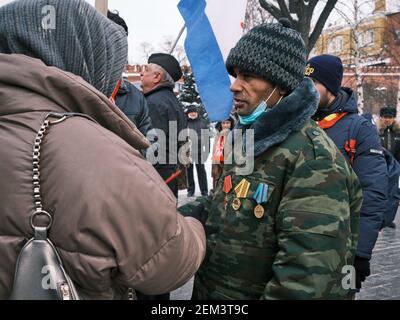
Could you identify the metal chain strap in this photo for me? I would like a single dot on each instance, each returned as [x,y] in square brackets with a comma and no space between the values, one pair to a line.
[36,165]
[36,159]
[59,117]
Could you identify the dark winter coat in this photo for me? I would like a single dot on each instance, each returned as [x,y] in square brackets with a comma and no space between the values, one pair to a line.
[164,107]
[369,165]
[200,142]
[133,104]
[390,138]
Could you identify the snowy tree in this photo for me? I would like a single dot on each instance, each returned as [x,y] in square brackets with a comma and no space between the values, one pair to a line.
[189,96]
[354,13]
[146,49]
[178,52]
[255,15]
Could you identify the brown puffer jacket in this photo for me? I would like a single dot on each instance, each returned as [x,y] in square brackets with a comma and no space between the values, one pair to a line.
[115,222]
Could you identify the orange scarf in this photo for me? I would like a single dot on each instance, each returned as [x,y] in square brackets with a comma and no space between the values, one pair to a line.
[331,120]
[218,156]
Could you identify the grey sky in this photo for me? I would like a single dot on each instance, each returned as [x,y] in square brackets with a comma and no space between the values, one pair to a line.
[148,21]
[153,20]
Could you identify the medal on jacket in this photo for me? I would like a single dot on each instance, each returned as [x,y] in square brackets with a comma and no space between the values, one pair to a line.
[227,188]
[241,191]
[260,196]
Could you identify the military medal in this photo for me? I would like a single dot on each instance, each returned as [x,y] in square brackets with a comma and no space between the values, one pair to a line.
[259,211]
[227,188]
[241,192]
[236,203]
[260,196]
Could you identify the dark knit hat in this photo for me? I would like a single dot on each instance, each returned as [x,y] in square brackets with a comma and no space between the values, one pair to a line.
[388,112]
[231,119]
[328,70]
[168,63]
[78,39]
[192,109]
[272,51]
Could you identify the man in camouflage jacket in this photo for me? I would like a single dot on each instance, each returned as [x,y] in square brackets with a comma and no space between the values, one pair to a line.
[292,240]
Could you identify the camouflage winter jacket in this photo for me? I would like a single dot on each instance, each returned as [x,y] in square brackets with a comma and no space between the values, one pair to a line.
[309,229]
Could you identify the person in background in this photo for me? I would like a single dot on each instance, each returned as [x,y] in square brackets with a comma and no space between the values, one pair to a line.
[199,151]
[223,128]
[129,98]
[389,130]
[358,140]
[133,104]
[166,112]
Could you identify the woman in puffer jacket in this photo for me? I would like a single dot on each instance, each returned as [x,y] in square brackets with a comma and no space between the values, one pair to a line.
[115,223]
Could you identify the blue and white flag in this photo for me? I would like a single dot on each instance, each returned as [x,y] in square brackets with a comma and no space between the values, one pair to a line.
[213,28]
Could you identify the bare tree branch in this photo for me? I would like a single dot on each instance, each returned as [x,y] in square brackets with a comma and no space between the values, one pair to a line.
[146,49]
[276,13]
[320,24]
[285,10]
[304,11]
[255,15]
[312,4]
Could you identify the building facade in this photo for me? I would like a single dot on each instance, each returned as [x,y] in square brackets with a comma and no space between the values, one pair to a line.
[132,72]
[370,50]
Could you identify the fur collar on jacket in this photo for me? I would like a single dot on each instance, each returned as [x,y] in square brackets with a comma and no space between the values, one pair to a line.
[381,127]
[290,115]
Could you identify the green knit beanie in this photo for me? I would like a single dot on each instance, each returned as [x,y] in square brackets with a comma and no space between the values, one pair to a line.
[273,51]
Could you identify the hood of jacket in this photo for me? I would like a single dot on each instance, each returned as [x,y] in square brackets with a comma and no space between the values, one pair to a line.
[290,115]
[23,77]
[346,101]
[82,41]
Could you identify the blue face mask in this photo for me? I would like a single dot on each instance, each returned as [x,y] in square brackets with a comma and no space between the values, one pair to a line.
[261,108]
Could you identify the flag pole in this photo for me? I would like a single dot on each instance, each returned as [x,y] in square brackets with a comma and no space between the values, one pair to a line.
[102,6]
[177,39]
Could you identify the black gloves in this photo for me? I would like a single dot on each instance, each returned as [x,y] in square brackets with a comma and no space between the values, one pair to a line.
[201,214]
[362,270]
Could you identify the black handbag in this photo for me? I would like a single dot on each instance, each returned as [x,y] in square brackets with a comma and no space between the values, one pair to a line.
[39,272]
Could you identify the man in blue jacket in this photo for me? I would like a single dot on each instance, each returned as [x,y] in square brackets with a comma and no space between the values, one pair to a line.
[130,99]
[359,142]
[133,104]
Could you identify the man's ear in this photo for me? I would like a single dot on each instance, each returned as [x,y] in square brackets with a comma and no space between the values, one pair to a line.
[157,78]
[282,91]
